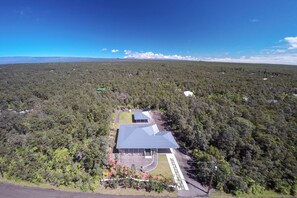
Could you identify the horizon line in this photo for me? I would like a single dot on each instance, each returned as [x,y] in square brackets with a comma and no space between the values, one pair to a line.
[13,60]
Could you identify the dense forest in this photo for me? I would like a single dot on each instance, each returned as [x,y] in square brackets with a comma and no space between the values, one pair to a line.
[54,125]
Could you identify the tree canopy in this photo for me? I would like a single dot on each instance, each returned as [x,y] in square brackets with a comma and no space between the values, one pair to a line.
[54,125]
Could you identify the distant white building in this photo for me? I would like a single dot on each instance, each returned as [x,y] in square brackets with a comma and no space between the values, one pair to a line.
[265,78]
[24,112]
[188,93]
[245,98]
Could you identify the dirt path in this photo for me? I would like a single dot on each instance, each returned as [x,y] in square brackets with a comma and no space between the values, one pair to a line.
[14,191]
[117,116]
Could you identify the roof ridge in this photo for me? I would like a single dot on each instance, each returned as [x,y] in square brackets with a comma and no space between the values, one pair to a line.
[125,137]
[136,129]
[143,135]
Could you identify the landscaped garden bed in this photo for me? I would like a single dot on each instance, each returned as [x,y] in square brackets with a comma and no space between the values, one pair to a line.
[118,175]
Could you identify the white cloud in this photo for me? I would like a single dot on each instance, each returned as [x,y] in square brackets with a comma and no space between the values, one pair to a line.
[292,41]
[104,49]
[24,12]
[127,51]
[280,51]
[254,20]
[152,55]
[114,50]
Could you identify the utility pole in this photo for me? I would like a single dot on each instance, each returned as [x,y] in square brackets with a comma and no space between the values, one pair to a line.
[214,168]
[2,175]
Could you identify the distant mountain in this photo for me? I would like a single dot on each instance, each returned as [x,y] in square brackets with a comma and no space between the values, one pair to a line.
[21,59]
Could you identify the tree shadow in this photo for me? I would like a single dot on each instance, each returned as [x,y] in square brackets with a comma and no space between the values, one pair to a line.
[197,187]
[184,151]
[133,119]
[114,149]
[166,122]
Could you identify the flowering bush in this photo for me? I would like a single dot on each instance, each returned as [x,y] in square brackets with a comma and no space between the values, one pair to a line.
[144,175]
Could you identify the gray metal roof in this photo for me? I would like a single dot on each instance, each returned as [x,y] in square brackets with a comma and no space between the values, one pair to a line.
[142,115]
[144,136]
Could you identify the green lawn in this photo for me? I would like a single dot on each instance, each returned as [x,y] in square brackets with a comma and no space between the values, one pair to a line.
[125,118]
[163,167]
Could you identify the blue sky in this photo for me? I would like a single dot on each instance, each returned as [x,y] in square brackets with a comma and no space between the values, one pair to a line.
[215,30]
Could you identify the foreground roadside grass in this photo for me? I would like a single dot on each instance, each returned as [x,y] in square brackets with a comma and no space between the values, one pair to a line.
[100,190]
[133,192]
[41,185]
[266,194]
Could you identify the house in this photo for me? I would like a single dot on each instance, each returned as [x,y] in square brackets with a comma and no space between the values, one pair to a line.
[142,116]
[143,139]
[188,93]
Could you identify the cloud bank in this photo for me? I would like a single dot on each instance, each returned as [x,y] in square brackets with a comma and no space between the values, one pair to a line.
[285,54]
[289,59]
[274,58]
[152,55]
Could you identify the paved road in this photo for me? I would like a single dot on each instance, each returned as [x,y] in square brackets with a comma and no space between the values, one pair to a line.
[195,188]
[13,191]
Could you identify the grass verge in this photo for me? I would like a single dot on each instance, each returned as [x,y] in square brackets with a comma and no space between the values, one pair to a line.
[266,194]
[99,190]
[41,185]
[133,192]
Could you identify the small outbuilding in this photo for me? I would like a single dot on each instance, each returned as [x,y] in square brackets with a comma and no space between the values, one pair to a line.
[144,116]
